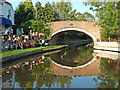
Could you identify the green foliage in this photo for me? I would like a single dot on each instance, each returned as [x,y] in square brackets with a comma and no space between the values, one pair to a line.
[36,18]
[108,17]
[23,13]
[64,9]
[37,26]
[46,13]
[109,75]
[65,12]
[25,26]
[85,16]
[40,74]
[72,56]
[19,14]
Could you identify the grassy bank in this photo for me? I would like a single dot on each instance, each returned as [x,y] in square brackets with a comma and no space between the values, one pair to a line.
[9,53]
[28,59]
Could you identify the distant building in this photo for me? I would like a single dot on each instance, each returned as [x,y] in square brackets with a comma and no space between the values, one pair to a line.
[6,15]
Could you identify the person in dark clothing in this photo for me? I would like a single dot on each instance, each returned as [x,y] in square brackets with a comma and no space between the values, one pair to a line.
[20,45]
[15,43]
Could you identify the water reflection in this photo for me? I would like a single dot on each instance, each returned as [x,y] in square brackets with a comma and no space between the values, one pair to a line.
[109,77]
[73,56]
[27,73]
[40,72]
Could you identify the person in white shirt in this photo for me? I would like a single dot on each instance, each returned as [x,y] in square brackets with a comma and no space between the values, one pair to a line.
[33,35]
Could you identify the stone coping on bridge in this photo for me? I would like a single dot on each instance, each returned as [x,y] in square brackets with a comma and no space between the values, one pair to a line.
[109,46]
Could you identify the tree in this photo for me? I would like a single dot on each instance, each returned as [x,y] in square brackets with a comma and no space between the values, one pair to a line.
[108,17]
[109,77]
[88,17]
[38,26]
[46,13]
[64,10]
[39,11]
[23,13]
[85,16]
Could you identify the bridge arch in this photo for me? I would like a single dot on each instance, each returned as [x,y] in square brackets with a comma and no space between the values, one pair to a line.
[76,29]
[86,27]
[77,67]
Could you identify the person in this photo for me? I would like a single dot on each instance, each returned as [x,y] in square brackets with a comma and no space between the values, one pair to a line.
[36,63]
[11,46]
[40,42]
[15,43]
[40,35]
[6,35]
[43,41]
[33,35]
[18,66]
[20,45]
[11,31]
[33,62]
[6,32]
[31,67]
[6,45]
[43,57]
[30,35]
[36,35]
[22,32]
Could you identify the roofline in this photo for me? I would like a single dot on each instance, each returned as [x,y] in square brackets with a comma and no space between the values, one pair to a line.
[8,3]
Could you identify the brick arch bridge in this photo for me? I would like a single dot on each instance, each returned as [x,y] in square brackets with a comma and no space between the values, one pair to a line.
[91,68]
[86,27]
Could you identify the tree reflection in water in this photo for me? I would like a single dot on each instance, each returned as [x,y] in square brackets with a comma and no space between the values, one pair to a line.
[109,77]
[41,74]
[36,71]
[73,56]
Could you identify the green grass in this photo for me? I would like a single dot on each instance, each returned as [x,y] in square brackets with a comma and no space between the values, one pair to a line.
[47,53]
[9,53]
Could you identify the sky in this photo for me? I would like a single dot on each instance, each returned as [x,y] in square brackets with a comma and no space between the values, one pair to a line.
[76,4]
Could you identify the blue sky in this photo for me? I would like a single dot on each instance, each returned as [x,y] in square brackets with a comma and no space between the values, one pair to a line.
[76,4]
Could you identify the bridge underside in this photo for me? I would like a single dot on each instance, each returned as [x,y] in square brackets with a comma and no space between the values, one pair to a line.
[70,38]
[60,36]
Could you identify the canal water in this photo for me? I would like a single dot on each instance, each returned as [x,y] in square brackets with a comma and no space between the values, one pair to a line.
[71,67]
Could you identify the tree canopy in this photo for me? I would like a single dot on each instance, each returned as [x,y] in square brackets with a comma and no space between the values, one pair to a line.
[108,17]
[26,15]
[23,13]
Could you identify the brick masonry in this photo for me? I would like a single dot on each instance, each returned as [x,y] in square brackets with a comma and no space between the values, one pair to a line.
[87,26]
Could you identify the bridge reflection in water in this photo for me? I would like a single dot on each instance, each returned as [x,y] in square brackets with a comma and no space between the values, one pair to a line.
[90,68]
[65,65]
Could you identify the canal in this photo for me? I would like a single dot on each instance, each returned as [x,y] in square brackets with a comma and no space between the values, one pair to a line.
[71,67]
